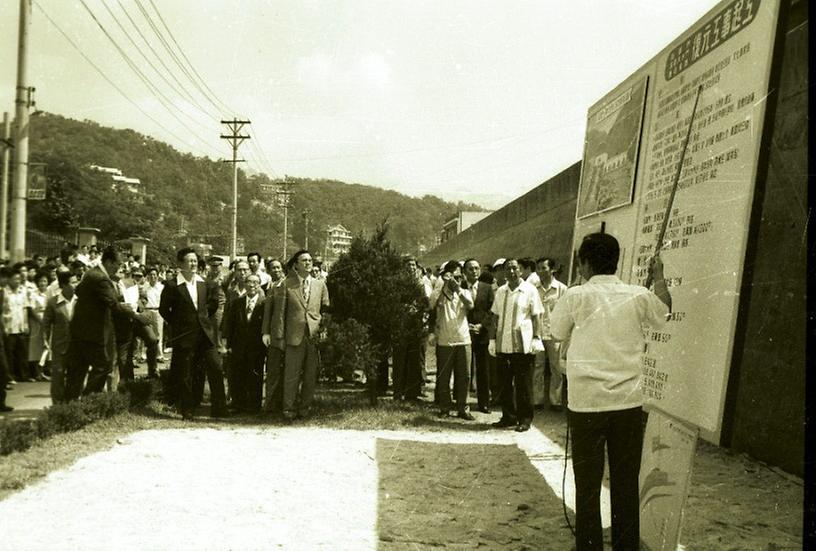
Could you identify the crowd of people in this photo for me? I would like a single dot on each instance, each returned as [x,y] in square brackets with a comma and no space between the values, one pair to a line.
[80,319]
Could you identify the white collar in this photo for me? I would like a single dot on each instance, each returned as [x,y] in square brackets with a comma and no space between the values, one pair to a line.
[181,281]
[61,298]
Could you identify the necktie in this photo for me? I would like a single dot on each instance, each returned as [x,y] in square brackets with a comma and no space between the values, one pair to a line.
[306,290]
[249,309]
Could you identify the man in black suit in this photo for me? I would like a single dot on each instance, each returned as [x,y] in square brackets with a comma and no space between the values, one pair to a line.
[187,303]
[479,322]
[91,328]
[242,338]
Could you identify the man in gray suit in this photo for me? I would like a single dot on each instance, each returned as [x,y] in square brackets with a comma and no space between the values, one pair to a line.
[297,315]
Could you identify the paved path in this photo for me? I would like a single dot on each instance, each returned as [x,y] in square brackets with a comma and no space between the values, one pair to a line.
[202,489]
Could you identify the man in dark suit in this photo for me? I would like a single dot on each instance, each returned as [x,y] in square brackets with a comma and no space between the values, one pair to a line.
[295,328]
[187,303]
[242,338]
[91,328]
[479,322]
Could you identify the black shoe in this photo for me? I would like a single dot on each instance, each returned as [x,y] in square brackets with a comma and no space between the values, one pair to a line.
[219,414]
[187,417]
[484,409]
[504,423]
[556,407]
[522,427]
[5,409]
[443,414]
[466,416]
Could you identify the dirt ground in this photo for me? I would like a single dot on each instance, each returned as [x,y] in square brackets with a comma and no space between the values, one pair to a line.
[465,497]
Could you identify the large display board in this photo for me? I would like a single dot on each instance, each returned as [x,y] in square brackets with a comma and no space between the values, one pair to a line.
[728,52]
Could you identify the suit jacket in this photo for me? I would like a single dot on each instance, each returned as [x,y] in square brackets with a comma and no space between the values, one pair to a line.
[97,300]
[176,307]
[242,335]
[293,318]
[56,322]
[480,313]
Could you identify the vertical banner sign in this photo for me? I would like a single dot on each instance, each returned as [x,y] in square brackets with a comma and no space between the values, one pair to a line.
[37,182]
[665,472]
[728,53]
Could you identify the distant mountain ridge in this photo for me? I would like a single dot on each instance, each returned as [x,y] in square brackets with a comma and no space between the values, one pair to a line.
[194,194]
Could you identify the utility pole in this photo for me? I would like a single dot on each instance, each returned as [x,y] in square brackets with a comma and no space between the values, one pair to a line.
[235,139]
[306,214]
[7,145]
[283,195]
[22,104]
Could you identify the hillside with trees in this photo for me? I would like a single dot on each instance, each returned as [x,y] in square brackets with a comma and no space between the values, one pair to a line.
[187,195]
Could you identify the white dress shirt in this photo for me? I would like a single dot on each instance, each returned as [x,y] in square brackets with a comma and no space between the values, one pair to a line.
[192,286]
[604,319]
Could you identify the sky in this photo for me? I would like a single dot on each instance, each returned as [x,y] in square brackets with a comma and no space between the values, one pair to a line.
[468,100]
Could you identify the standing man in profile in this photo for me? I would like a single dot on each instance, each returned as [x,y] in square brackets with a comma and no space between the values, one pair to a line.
[91,327]
[187,303]
[297,315]
[273,402]
[550,290]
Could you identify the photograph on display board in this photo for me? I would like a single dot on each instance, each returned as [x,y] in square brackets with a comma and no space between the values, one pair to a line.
[611,150]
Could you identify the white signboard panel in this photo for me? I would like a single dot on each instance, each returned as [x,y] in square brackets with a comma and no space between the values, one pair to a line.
[665,473]
[728,52]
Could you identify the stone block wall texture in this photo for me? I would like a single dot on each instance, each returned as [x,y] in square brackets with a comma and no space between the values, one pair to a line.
[768,407]
[539,223]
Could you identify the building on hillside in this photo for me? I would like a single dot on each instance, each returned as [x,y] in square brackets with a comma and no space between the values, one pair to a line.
[338,241]
[122,182]
[460,222]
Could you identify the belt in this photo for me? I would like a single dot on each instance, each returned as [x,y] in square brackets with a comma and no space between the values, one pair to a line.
[151,307]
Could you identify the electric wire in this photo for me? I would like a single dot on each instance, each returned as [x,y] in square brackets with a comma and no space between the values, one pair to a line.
[172,74]
[158,94]
[105,76]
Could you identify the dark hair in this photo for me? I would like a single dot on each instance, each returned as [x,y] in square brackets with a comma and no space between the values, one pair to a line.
[152,269]
[257,255]
[601,251]
[110,253]
[527,263]
[450,266]
[202,264]
[41,274]
[551,263]
[184,251]
[6,272]
[63,277]
[16,267]
[296,257]
[66,252]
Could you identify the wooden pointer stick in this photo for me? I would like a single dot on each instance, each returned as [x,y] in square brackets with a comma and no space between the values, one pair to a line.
[665,223]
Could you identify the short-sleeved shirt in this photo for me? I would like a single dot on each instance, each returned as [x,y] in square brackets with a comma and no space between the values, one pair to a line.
[451,317]
[604,319]
[515,310]
[15,310]
[549,296]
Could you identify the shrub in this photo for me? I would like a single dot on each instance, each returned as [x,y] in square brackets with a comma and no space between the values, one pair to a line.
[371,285]
[346,348]
[17,435]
